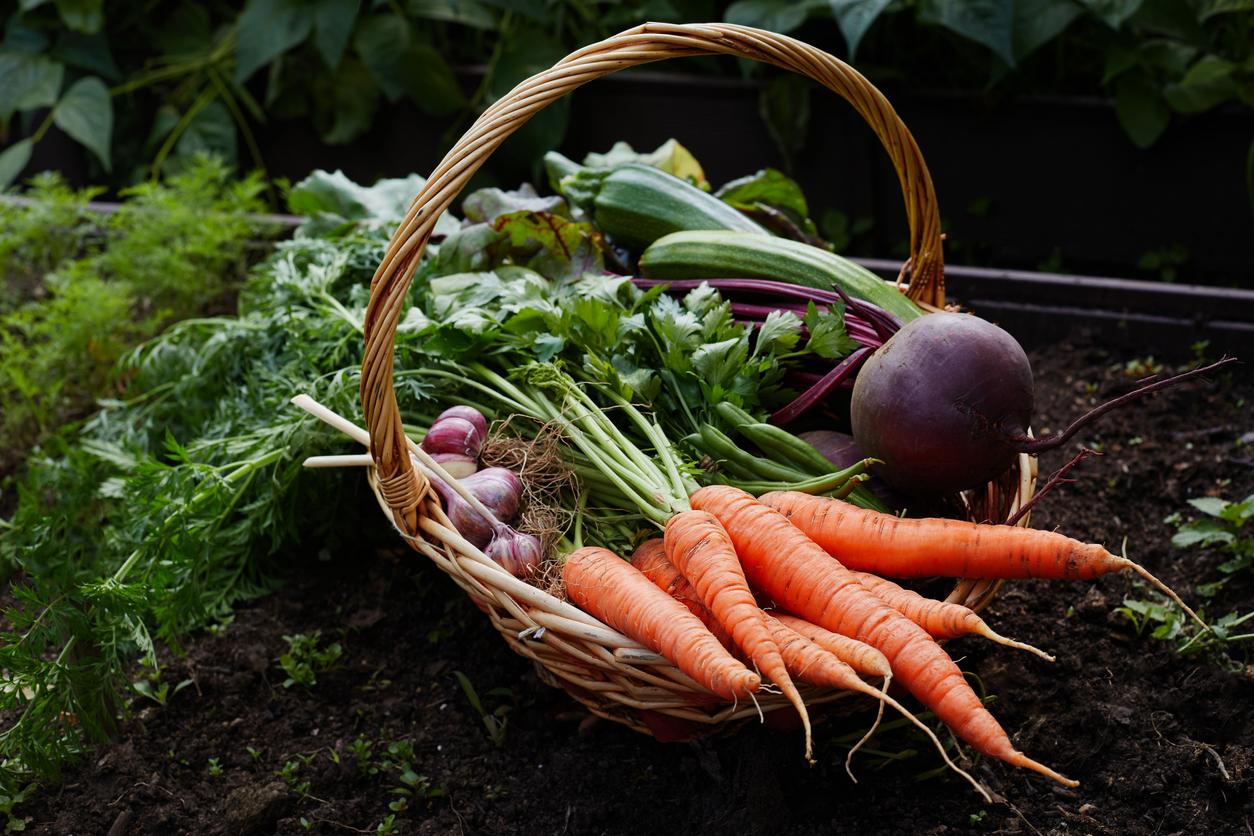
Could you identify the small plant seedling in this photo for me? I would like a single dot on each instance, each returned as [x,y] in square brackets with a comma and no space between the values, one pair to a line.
[362,751]
[253,753]
[304,659]
[387,827]
[399,757]
[152,687]
[493,721]
[9,800]
[215,767]
[290,773]
[1142,367]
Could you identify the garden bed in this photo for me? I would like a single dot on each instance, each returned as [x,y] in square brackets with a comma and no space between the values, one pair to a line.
[1161,742]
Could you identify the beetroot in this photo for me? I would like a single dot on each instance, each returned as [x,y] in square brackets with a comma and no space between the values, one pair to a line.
[943,404]
[946,404]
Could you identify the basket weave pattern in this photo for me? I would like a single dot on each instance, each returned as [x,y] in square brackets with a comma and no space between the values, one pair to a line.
[611,674]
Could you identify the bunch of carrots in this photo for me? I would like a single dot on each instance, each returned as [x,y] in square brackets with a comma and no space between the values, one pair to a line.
[788,587]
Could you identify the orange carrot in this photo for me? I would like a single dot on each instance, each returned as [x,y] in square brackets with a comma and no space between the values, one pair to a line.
[800,661]
[796,573]
[699,548]
[861,657]
[811,663]
[650,558]
[941,619]
[601,583]
[870,541]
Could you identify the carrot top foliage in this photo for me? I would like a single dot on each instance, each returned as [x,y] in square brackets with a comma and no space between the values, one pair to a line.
[181,495]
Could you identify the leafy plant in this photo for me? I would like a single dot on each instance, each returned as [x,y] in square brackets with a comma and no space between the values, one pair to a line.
[304,659]
[1155,57]
[176,501]
[1222,527]
[1165,621]
[90,288]
[51,225]
[200,77]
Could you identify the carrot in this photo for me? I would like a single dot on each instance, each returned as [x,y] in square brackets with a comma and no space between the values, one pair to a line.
[811,663]
[861,657]
[650,558]
[699,548]
[870,541]
[788,566]
[601,583]
[941,619]
[801,662]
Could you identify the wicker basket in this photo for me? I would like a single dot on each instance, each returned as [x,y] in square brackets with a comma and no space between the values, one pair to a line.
[611,674]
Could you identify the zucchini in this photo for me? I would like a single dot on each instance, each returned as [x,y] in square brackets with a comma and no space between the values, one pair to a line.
[735,255]
[635,204]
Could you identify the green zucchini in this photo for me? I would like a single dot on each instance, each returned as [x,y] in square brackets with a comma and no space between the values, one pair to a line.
[735,255]
[637,204]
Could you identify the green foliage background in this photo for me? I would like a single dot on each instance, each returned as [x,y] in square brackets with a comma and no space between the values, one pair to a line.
[143,86]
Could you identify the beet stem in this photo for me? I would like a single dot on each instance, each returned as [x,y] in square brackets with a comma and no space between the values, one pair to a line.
[807,399]
[1023,443]
[1058,479]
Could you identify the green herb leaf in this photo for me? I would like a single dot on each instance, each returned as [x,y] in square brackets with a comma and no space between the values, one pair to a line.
[780,332]
[828,337]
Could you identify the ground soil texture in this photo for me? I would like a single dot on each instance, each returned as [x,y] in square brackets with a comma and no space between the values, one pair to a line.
[1162,744]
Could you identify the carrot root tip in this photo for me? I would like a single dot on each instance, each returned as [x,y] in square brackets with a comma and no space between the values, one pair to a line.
[992,635]
[1022,760]
[1160,586]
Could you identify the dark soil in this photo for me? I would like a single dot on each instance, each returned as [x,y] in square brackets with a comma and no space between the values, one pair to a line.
[1162,743]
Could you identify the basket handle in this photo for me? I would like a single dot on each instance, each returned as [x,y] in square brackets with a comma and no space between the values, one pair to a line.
[403,487]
